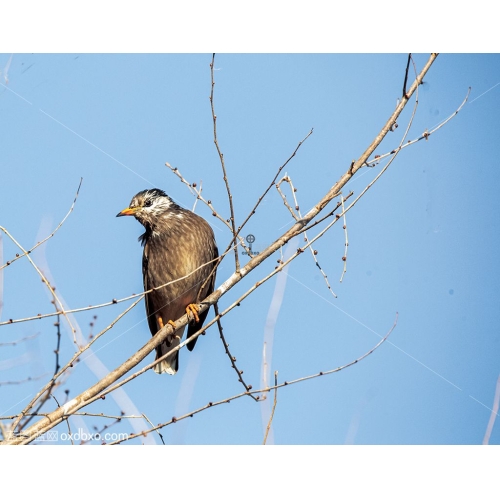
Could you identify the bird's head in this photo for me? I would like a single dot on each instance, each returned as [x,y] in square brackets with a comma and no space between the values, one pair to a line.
[149,206]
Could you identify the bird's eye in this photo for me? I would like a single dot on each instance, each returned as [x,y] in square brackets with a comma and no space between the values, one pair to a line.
[148,202]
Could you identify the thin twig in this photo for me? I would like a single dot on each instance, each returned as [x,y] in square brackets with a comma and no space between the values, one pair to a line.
[344,258]
[80,414]
[157,430]
[99,432]
[67,420]
[24,381]
[231,357]
[286,178]
[221,157]
[19,256]
[297,208]
[175,171]
[15,342]
[274,406]
[406,75]
[57,324]
[197,198]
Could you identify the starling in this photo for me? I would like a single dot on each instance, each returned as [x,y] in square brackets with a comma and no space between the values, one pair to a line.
[179,249]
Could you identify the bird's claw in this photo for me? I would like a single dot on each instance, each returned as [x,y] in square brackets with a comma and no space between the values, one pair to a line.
[193,309]
[161,324]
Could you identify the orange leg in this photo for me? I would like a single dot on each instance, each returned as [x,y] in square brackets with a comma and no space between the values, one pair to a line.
[169,322]
[160,322]
[193,309]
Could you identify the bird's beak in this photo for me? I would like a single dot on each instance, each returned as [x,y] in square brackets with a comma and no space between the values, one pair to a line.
[127,211]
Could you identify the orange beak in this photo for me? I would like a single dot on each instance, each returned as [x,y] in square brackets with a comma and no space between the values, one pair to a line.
[128,211]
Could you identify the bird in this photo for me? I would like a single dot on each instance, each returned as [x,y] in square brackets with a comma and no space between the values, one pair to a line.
[179,249]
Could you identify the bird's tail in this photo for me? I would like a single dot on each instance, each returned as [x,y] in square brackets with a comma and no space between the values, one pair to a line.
[170,364]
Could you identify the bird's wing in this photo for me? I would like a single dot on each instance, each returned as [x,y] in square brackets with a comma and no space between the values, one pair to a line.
[209,288]
[170,364]
[150,309]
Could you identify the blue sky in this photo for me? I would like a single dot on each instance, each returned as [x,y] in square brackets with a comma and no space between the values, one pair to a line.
[423,242]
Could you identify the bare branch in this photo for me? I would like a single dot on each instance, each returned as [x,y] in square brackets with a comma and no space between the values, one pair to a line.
[344,258]
[285,201]
[274,406]
[406,75]
[221,157]
[297,208]
[231,357]
[157,430]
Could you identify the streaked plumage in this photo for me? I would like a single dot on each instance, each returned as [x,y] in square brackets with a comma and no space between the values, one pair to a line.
[177,242]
